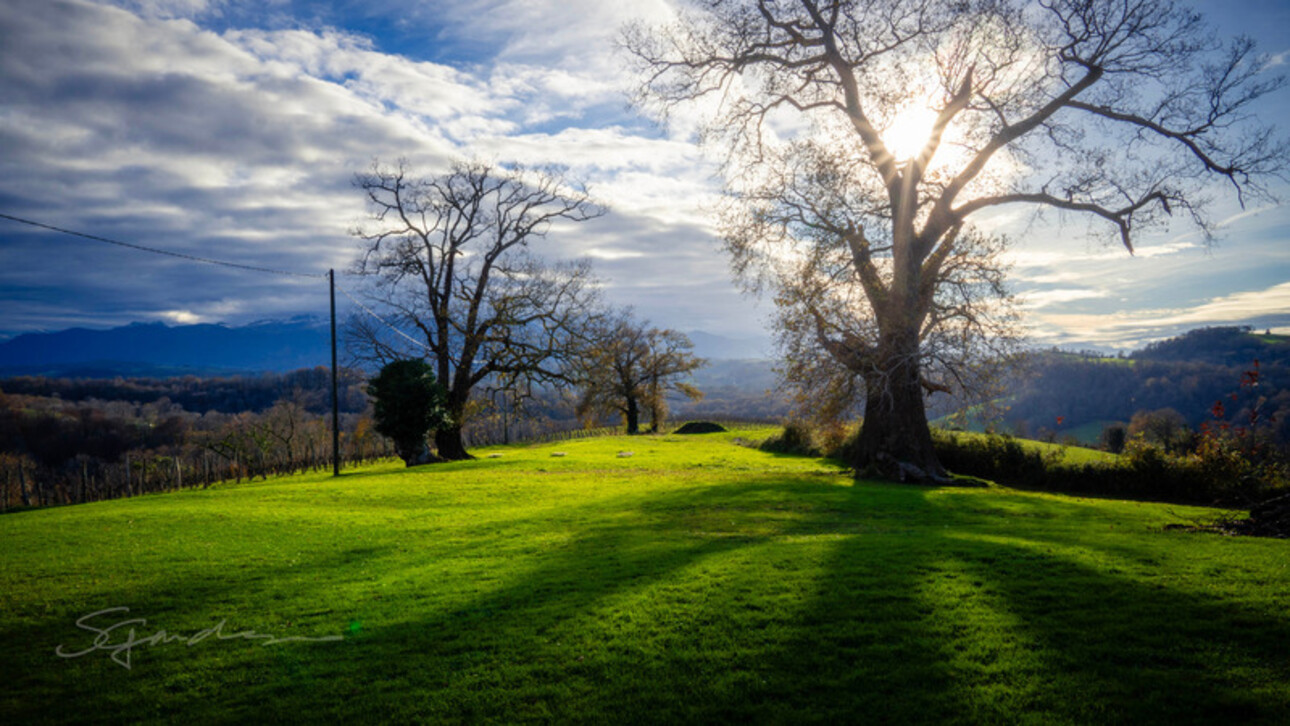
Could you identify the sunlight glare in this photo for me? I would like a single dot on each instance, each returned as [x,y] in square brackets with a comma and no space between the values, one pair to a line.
[909,131]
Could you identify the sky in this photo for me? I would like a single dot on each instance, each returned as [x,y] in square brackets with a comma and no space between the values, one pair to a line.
[233,129]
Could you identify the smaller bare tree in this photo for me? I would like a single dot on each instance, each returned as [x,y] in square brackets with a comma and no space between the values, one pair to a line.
[629,368]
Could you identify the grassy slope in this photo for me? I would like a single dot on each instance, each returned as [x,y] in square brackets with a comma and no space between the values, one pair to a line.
[695,581]
[1066,454]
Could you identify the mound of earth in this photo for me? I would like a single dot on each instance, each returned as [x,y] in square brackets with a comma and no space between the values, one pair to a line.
[700,427]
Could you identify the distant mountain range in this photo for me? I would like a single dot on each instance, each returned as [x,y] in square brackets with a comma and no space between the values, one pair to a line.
[158,350]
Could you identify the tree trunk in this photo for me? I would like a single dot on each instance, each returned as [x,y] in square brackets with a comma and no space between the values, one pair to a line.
[895,441]
[448,442]
[22,486]
[633,416]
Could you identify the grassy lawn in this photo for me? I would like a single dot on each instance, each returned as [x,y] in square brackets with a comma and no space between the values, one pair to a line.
[694,581]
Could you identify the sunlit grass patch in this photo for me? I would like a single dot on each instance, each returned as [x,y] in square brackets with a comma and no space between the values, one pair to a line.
[697,581]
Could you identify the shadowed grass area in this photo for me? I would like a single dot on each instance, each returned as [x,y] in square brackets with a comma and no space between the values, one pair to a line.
[695,580]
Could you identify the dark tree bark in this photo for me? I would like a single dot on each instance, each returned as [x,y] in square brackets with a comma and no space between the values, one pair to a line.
[895,441]
[449,444]
[632,413]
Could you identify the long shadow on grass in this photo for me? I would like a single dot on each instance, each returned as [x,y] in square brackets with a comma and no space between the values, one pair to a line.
[1112,648]
[794,599]
[779,599]
[774,599]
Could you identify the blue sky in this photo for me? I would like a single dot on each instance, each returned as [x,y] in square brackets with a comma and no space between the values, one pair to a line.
[232,129]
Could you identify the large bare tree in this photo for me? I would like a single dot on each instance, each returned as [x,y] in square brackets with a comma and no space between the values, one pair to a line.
[448,256]
[918,116]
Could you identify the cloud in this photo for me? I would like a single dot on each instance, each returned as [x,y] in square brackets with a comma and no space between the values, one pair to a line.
[1048,298]
[150,127]
[1265,308]
[180,317]
[232,129]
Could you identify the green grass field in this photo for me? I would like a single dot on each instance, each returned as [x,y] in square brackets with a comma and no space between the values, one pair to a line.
[696,581]
[1062,453]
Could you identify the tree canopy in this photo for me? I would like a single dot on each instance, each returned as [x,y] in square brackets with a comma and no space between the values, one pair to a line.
[629,368]
[449,257]
[407,403]
[862,141]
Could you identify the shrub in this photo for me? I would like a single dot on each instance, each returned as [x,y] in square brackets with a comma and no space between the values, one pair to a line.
[407,404]
[1145,471]
[796,438]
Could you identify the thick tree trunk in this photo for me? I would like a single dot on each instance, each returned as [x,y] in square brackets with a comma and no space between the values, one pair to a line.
[448,442]
[895,441]
[633,416]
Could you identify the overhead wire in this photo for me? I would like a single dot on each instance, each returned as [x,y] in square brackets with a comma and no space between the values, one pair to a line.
[211,261]
[382,320]
[158,251]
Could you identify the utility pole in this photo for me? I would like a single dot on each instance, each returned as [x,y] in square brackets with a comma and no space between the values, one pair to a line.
[335,398]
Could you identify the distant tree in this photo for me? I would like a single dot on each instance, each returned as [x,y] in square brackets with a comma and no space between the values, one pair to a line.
[448,257]
[629,368]
[1113,438]
[863,138]
[407,404]
[1165,427]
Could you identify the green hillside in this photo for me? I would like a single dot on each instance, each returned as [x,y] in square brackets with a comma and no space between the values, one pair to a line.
[694,581]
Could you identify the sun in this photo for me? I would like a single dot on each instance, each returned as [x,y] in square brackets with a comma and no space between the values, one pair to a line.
[909,131]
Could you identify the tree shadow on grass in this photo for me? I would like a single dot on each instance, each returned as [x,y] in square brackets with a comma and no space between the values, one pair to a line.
[711,604]
[779,598]
[799,600]
[1126,650]
[217,677]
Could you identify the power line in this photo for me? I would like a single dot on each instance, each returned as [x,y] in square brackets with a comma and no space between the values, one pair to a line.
[382,320]
[154,250]
[331,278]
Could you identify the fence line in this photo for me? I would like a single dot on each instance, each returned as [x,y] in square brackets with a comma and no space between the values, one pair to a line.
[27,484]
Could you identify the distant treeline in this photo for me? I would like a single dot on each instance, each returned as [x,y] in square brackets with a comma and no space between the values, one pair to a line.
[74,440]
[309,387]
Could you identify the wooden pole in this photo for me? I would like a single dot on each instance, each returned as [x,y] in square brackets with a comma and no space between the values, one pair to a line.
[335,398]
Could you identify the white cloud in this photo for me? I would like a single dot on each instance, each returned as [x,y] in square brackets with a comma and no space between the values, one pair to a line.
[180,317]
[1048,298]
[1269,307]
[146,125]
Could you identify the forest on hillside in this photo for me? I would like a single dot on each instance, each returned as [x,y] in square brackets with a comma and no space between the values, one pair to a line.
[1221,375]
